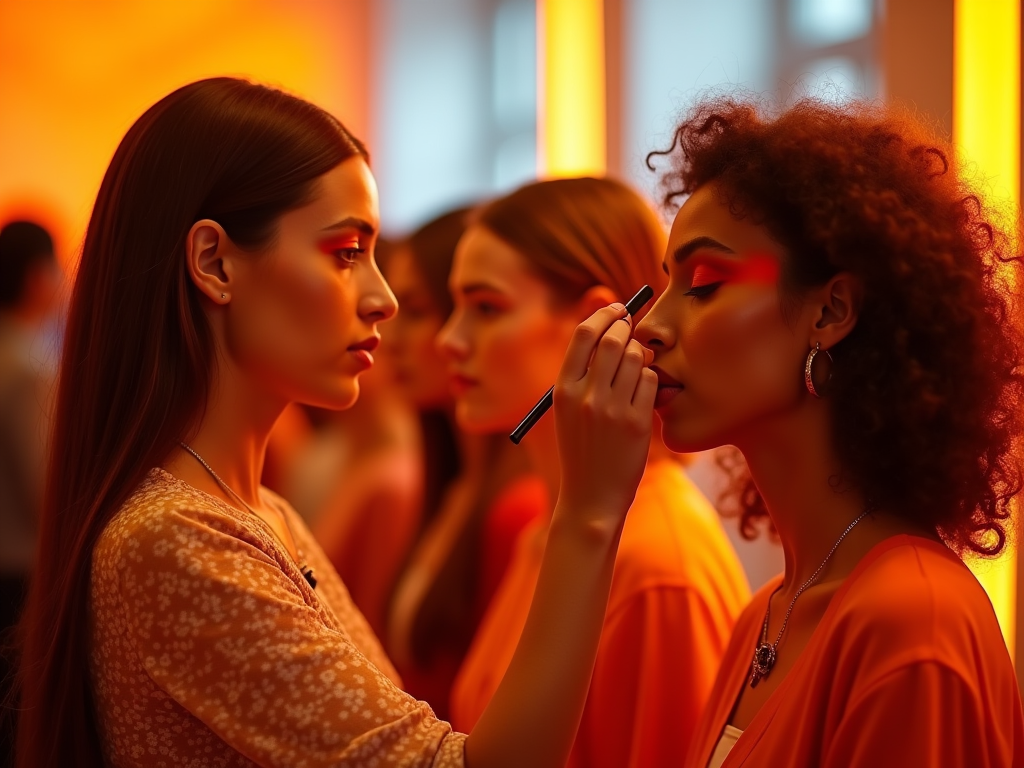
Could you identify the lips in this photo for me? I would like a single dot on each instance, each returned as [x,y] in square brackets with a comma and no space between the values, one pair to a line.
[368,344]
[362,351]
[460,383]
[668,388]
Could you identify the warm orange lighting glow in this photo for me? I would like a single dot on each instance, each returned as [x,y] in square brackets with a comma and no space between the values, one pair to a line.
[571,70]
[74,76]
[986,129]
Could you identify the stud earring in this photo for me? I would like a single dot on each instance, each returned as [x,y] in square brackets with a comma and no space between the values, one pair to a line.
[223,295]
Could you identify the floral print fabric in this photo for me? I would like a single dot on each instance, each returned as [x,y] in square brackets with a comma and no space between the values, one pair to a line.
[209,648]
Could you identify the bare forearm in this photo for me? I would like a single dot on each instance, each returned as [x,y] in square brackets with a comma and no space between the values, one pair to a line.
[533,716]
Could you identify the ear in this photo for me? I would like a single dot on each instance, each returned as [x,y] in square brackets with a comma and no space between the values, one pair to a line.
[837,308]
[594,299]
[205,251]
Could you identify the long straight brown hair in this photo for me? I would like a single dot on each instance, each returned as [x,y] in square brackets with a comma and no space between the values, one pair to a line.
[138,354]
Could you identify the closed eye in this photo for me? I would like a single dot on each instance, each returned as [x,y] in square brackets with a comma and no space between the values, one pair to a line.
[703,291]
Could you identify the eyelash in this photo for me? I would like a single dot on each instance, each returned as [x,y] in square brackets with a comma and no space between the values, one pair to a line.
[703,291]
[350,254]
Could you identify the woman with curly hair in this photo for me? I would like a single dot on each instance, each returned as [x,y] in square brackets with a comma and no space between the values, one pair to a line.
[841,309]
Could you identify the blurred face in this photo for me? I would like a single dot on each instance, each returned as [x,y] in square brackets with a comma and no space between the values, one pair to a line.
[411,336]
[728,361]
[506,338]
[303,314]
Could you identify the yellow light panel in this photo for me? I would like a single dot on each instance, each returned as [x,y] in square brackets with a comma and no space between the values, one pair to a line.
[571,128]
[986,129]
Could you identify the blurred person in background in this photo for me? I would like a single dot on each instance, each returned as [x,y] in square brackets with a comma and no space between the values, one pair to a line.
[529,268]
[477,494]
[30,281]
[371,489]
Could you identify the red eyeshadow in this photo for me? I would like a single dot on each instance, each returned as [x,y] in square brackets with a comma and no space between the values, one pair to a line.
[705,274]
[759,268]
[339,243]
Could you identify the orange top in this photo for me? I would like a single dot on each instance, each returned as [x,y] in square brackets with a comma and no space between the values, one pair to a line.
[208,647]
[676,591]
[459,582]
[906,668]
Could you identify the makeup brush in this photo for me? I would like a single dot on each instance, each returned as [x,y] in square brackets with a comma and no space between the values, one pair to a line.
[632,307]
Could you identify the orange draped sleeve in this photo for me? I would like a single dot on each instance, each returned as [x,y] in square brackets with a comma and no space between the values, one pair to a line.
[676,591]
[907,667]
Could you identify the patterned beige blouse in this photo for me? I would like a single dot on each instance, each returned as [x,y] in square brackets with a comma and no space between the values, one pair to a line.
[208,648]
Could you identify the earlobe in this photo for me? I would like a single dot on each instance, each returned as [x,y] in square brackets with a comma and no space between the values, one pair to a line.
[205,257]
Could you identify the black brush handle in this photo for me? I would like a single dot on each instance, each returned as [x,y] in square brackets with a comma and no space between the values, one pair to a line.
[633,306]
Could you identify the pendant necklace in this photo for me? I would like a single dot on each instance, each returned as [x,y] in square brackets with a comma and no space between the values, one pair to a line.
[765,652]
[304,569]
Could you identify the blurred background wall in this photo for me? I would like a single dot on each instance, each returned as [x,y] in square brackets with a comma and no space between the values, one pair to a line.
[460,99]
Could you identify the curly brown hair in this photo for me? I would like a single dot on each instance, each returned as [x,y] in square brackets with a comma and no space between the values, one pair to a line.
[926,392]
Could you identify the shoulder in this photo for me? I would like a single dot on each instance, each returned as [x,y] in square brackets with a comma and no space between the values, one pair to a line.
[911,601]
[164,514]
[673,538]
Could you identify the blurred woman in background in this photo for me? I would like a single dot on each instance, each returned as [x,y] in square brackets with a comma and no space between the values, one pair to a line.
[368,461]
[476,495]
[531,266]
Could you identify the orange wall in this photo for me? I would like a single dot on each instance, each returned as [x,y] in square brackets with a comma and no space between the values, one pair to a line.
[74,75]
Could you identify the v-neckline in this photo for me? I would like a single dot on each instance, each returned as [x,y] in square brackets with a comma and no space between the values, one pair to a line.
[741,674]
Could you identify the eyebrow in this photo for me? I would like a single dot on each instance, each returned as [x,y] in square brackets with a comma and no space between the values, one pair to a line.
[696,244]
[699,243]
[478,287]
[353,222]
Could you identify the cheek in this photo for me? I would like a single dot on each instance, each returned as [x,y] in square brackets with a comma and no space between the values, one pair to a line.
[302,316]
[739,346]
[516,363]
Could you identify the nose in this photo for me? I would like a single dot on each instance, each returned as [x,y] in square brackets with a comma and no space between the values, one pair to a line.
[451,340]
[655,330]
[376,301]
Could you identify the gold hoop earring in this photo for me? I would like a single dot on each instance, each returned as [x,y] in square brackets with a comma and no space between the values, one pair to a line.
[809,368]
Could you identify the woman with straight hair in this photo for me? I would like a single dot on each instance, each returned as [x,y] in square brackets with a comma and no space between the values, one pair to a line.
[183,615]
[532,265]
[845,310]
[477,493]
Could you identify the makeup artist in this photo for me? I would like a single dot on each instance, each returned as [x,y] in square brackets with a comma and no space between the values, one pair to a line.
[871,380]
[182,614]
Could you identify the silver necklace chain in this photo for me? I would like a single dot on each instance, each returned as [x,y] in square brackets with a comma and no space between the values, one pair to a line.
[765,653]
[306,571]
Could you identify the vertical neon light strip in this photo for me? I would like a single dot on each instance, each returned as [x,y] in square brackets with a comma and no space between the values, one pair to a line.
[986,128]
[571,131]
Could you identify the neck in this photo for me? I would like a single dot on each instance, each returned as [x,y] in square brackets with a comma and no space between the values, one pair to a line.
[801,481]
[232,437]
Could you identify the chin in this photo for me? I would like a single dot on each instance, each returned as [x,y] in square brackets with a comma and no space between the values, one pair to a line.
[337,398]
[685,439]
[478,421]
